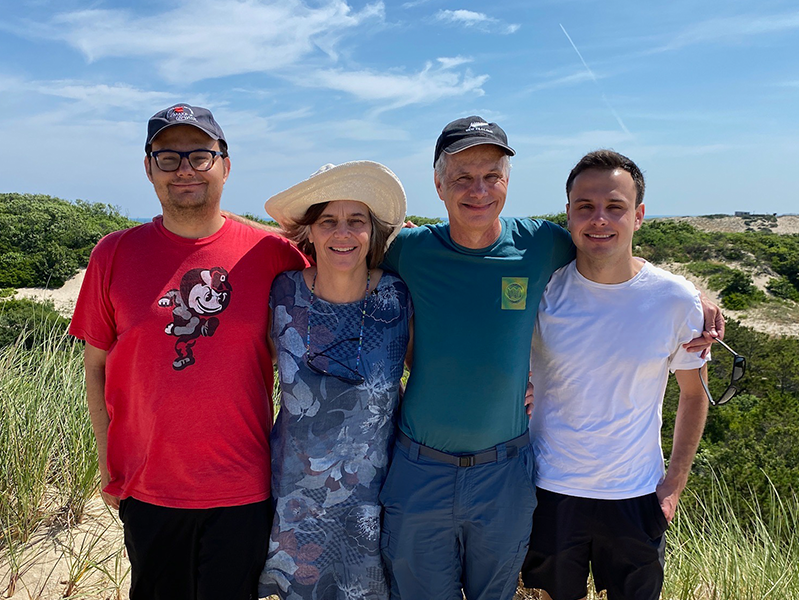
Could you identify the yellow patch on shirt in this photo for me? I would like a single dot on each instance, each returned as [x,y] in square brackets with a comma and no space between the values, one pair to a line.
[514,293]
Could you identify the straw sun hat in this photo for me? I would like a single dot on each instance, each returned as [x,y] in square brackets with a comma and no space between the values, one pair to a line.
[362,180]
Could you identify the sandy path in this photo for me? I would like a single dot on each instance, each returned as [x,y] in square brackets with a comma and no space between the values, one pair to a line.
[63,298]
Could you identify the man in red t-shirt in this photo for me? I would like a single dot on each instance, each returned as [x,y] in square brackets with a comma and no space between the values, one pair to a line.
[178,373]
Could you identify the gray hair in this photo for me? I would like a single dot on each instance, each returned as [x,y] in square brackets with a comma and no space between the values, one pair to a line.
[441,165]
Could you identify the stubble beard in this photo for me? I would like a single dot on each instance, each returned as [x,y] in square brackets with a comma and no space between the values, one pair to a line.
[190,210]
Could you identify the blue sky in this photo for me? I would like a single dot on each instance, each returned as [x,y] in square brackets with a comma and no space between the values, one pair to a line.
[704,96]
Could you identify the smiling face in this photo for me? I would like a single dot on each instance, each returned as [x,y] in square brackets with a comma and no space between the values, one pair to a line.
[602,219]
[187,191]
[474,187]
[341,236]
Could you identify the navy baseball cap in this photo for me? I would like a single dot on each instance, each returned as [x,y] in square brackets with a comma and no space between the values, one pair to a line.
[183,114]
[470,131]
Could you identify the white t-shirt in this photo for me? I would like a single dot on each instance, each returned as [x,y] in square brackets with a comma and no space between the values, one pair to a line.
[600,360]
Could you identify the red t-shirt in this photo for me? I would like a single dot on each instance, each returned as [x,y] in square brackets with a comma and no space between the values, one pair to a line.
[188,373]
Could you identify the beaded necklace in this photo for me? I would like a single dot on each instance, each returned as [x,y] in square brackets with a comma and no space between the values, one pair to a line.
[363,318]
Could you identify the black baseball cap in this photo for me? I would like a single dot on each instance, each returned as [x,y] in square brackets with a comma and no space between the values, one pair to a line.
[183,114]
[470,131]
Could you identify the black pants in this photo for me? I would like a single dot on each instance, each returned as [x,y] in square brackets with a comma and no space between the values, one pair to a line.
[622,540]
[195,554]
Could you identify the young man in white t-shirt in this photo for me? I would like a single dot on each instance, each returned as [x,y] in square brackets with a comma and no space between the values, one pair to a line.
[610,327]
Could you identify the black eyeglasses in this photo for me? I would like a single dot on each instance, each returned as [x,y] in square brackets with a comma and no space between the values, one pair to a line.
[738,370]
[200,160]
[350,376]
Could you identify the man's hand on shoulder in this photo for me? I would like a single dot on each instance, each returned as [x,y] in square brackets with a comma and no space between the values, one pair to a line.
[714,328]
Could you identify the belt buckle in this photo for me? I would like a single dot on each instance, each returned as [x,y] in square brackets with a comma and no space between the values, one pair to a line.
[466,461]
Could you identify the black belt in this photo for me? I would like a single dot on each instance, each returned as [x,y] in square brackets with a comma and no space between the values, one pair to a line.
[466,460]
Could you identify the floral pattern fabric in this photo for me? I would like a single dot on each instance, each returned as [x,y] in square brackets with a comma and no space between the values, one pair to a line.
[331,440]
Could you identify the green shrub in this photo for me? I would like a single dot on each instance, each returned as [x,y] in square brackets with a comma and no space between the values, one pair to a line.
[660,241]
[45,240]
[20,316]
[740,293]
[423,220]
[260,220]
[782,287]
[558,219]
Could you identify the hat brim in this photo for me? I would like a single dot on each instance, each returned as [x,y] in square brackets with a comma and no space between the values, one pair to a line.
[465,143]
[363,181]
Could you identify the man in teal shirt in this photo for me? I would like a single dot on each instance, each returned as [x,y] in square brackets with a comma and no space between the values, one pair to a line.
[459,496]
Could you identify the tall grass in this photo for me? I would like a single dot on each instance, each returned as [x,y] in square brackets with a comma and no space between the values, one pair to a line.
[721,547]
[48,465]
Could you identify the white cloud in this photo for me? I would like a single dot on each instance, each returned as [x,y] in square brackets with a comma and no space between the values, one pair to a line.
[452,62]
[466,17]
[100,96]
[733,29]
[200,39]
[481,21]
[566,80]
[397,89]
[584,139]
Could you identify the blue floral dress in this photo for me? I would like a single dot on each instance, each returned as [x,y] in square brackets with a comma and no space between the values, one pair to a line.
[331,441]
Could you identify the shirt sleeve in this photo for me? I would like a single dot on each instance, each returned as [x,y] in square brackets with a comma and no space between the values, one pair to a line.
[391,260]
[290,258]
[690,327]
[93,319]
[563,251]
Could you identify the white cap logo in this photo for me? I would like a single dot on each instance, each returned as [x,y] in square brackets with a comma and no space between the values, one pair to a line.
[180,113]
[477,125]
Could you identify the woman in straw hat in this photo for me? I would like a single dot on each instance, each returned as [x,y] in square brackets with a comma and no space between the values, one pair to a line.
[340,330]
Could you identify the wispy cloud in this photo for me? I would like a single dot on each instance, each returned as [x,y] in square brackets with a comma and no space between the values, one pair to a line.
[477,20]
[100,96]
[222,37]
[566,80]
[453,61]
[599,138]
[395,90]
[732,29]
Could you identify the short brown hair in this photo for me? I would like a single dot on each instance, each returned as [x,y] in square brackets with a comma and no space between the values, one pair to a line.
[299,232]
[608,160]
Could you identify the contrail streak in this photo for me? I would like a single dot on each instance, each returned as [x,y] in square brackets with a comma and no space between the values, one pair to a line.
[596,82]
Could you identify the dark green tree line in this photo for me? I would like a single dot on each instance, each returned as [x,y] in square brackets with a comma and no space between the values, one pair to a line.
[45,240]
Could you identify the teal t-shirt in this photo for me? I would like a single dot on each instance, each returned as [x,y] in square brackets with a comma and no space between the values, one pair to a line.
[474,313]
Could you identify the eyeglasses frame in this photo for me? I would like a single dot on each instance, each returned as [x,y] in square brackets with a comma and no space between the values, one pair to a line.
[311,356]
[214,154]
[738,371]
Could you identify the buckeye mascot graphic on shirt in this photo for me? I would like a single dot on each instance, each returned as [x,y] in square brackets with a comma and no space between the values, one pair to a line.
[203,293]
